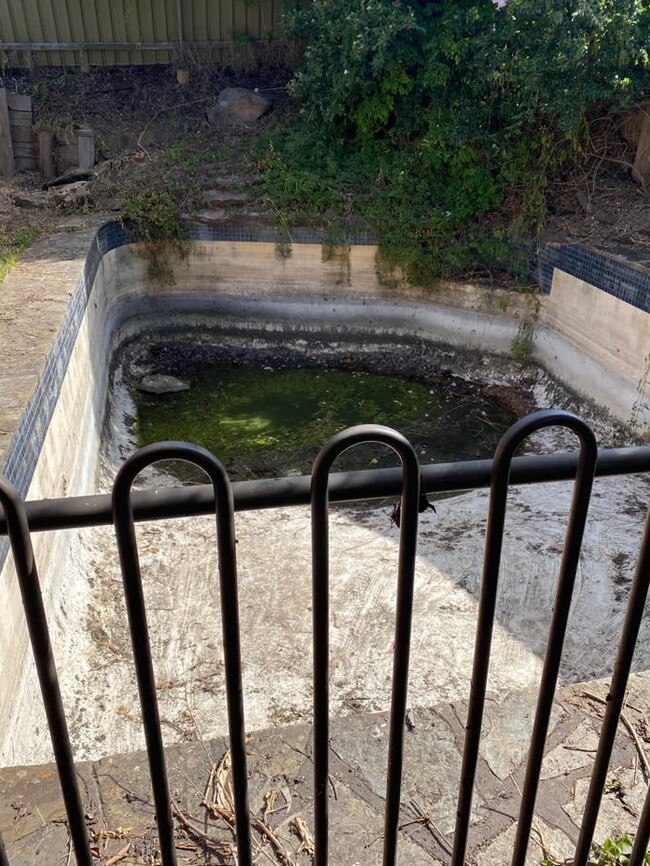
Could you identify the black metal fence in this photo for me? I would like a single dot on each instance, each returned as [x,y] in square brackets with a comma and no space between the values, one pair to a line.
[412,483]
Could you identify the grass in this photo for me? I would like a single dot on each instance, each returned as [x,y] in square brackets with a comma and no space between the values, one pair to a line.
[13,245]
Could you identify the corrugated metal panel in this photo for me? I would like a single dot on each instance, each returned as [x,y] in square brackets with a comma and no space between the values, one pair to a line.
[66,22]
[133,31]
[77,28]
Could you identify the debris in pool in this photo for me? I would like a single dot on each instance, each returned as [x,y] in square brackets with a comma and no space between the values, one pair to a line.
[158,383]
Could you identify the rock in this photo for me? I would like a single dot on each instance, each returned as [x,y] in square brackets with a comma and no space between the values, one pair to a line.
[632,122]
[239,105]
[30,200]
[158,383]
[606,216]
[641,222]
[585,201]
[72,195]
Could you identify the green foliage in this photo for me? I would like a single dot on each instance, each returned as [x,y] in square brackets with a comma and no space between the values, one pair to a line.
[456,116]
[613,852]
[193,154]
[154,218]
[522,345]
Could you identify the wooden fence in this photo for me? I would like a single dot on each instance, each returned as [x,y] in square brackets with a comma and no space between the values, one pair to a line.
[118,32]
[24,147]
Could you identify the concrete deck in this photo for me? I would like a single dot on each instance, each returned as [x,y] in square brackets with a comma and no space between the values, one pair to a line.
[120,816]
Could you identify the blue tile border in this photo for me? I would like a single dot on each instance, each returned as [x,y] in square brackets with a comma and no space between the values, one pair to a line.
[620,279]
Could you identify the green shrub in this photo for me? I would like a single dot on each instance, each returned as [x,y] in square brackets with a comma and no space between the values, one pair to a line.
[154,216]
[455,115]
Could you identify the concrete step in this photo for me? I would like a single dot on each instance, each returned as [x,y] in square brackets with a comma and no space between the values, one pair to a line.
[218,198]
[237,181]
[231,216]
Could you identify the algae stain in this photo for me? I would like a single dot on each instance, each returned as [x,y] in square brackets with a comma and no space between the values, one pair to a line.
[262,423]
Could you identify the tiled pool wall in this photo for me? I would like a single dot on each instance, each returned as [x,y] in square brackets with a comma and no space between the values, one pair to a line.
[622,281]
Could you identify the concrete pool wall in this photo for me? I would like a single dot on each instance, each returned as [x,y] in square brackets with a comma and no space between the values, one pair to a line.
[108,298]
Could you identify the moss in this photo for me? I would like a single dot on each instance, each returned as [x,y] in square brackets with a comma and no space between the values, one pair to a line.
[265,423]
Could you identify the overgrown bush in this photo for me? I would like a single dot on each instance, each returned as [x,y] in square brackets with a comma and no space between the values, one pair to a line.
[154,219]
[444,122]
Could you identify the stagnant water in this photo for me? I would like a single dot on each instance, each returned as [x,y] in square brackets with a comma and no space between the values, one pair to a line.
[266,422]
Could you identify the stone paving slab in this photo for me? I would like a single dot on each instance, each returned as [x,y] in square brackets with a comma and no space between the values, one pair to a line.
[121,821]
[35,295]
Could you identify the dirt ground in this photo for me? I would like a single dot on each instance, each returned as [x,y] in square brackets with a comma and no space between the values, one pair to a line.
[153,133]
[150,133]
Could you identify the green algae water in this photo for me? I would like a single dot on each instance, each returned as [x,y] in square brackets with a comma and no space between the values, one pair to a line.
[263,423]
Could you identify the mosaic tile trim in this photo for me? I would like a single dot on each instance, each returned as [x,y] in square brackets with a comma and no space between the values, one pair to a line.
[615,277]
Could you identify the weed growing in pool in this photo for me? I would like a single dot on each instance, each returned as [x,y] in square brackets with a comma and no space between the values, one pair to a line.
[521,347]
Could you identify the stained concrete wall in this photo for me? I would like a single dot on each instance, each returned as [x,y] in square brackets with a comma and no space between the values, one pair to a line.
[579,339]
[249,283]
[599,344]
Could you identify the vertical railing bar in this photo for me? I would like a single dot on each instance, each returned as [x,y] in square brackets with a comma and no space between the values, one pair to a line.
[320,612]
[642,835]
[553,656]
[136,612]
[501,465]
[232,659]
[129,561]
[320,661]
[616,696]
[27,573]
[401,653]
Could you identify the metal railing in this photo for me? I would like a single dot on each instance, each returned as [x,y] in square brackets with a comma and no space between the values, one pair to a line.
[412,482]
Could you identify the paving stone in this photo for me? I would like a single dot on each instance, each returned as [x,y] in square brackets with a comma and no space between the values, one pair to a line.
[621,804]
[576,751]
[545,840]
[507,725]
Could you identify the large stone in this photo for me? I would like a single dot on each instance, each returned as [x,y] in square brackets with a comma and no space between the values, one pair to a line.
[239,105]
[632,122]
[70,196]
[158,383]
[30,200]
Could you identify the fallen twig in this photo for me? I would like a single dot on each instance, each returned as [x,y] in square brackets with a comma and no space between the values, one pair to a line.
[121,855]
[194,829]
[630,728]
[306,839]
[428,822]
